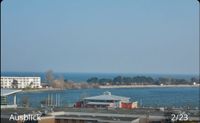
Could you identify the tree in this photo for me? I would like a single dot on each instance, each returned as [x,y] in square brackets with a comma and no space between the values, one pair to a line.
[84,85]
[194,79]
[118,79]
[104,81]
[69,84]
[30,85]
[127,80]
[49,76]
[58,84]
[93,80]
[14,84]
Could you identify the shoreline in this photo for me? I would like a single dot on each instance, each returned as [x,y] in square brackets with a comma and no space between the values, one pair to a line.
[117,86]
[43,89]
[146,86]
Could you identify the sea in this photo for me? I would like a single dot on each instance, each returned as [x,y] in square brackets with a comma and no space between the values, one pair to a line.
[146,97]
[172,97]
[82,77]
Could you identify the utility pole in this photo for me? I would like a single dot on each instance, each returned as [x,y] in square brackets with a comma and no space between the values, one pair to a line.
[56,101]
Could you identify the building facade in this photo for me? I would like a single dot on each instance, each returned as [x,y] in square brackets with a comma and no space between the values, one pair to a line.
[107,100]
[20,82]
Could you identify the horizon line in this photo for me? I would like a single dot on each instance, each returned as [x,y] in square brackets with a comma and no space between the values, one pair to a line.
[104,72]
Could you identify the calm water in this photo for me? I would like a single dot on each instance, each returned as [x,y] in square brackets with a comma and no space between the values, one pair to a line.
[162,97]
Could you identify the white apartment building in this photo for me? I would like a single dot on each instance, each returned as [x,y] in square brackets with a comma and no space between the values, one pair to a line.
[20,82]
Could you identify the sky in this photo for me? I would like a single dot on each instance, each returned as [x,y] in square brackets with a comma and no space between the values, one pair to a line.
[103,36]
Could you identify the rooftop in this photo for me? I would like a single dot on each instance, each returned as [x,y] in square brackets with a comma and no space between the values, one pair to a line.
[98,103]
[107,96]
[20,77]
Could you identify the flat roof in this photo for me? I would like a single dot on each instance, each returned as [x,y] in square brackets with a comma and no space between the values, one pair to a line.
[6,92]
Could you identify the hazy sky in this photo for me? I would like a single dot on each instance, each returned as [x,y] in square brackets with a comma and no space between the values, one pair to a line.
[125,36]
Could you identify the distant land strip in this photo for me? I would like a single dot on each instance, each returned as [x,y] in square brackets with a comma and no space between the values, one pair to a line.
[145,86]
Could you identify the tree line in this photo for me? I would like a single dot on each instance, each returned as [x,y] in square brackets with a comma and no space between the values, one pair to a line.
[141,80]
[94,82]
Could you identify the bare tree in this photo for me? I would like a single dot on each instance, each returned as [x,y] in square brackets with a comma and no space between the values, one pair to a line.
[84,85]
[49,76]
[14,84]
[58,83]
[30,85]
